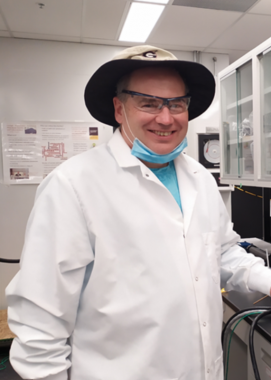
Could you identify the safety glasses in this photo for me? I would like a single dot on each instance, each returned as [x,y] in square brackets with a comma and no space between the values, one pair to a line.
[154,104]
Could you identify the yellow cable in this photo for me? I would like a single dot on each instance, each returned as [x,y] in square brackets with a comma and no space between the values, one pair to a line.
[255,195]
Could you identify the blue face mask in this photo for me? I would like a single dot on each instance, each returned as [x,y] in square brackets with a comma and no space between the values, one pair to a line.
[142,152]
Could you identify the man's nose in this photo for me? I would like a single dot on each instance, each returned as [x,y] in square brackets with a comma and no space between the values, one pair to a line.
[164,116]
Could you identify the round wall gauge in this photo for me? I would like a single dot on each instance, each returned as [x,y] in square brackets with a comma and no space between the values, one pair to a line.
[209,150]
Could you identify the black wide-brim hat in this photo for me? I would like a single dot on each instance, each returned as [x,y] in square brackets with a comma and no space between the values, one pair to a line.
[101,88]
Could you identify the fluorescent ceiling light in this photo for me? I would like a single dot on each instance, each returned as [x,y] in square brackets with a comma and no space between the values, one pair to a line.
[140,21]
[154,1]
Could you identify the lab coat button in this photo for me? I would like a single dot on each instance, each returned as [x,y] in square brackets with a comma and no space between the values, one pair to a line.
[204,324]
[147,175]
[208,370]
[196,278]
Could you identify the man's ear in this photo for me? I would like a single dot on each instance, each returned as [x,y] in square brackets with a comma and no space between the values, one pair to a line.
[118,110]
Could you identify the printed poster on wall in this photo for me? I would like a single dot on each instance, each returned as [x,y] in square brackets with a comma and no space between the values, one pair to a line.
[32,150]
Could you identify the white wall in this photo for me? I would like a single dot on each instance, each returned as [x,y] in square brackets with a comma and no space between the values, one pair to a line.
[211,117]
[43,80]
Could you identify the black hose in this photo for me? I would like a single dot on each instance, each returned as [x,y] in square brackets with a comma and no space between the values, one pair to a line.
[9,261]
[251,343]
[240,312]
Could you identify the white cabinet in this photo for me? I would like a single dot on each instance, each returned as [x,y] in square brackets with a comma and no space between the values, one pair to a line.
[245,119]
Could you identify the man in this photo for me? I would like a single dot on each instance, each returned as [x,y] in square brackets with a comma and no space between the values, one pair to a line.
[128,243]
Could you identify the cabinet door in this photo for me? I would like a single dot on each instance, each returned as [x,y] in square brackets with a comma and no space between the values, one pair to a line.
[265,66]
[237,123]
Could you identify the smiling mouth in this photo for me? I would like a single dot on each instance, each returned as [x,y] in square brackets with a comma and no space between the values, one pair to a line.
[159,133]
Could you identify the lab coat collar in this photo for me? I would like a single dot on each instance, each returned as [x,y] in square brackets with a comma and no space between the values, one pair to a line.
[125,159]
[121,151]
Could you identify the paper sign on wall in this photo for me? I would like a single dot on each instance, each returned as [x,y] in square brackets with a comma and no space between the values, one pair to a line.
[32,150]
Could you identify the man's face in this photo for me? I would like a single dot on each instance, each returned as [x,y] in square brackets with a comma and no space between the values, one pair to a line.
[145,126]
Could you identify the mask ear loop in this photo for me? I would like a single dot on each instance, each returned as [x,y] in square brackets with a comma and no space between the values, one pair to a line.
[128,126]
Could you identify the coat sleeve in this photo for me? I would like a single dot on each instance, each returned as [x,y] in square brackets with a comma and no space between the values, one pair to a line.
[43,297]
[240,270]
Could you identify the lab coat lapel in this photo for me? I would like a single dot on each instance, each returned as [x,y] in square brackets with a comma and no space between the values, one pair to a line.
[187,180]
[121,151]
[125,159]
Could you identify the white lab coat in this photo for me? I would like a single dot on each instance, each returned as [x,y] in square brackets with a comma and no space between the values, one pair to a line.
[150,306]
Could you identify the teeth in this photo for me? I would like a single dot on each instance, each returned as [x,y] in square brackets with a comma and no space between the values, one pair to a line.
[162,133]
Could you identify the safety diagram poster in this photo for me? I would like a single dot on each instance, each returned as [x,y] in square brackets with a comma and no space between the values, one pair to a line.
[32,150]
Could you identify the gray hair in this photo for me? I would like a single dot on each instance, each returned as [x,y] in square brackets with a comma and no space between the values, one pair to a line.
[123,84]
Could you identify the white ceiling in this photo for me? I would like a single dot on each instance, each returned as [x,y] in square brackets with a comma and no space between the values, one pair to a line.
[100,22]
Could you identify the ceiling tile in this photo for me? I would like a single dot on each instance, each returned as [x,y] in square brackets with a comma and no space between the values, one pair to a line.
[2,24]
[248,33]
[262,7]
[224,5]
[48,37]
[186,26]
[233,54]
[102,18]
[58,17]
[4,34]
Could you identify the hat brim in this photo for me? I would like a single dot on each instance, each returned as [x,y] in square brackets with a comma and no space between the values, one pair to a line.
[101,88]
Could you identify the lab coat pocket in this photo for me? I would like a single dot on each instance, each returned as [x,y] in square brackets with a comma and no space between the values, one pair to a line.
[211,248]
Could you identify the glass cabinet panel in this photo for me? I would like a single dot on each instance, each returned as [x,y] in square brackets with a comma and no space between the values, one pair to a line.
[265,62]
[229,125]
[237,123]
